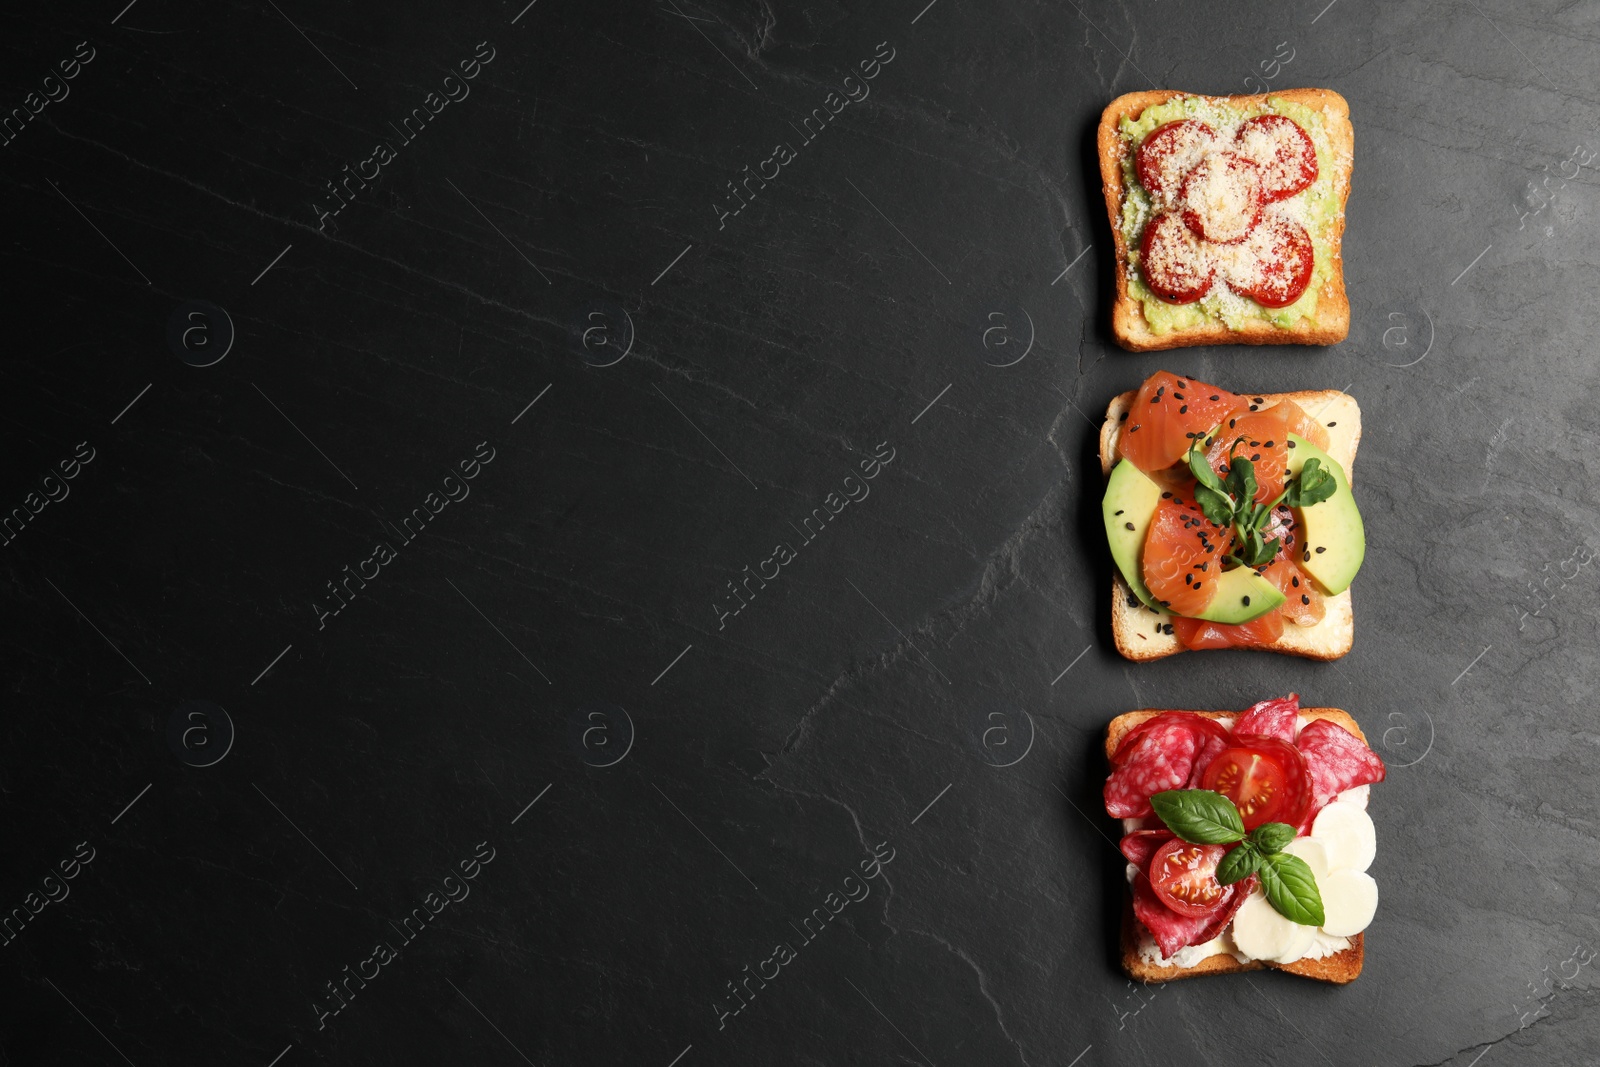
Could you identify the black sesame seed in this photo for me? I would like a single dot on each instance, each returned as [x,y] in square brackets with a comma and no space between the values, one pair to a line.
[1121,510]
[1128,525]
[1134,428]
[1166,603]
[1133,602]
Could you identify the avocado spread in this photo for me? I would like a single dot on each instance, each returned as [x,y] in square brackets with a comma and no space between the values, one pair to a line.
[1317,208]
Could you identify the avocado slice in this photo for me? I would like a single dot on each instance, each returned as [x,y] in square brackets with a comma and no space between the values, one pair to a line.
[1241,595]
[1129,505]
[1333,540]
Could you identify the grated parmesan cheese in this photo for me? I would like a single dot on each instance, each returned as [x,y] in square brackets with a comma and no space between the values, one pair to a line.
[1222,197]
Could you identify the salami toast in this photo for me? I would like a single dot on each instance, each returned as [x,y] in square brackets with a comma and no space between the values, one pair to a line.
[1138,629]
[1340,968]
[1330,323]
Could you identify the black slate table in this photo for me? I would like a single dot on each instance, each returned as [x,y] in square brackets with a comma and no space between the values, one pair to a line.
[404,409]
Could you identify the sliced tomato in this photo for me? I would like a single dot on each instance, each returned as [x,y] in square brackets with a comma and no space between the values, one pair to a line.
[1195,634]
[1303,603]
[1174,262]
[1221,197]
[1182,556]
[1184,877]
[1278,267]
[1283,151]
[1166,417]
[1262,437]
[1265,777]
[1168,153]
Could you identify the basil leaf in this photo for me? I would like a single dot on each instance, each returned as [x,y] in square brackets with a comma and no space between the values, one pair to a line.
[1291,889]
[1312,485]
[1215,504]
[1272,837]
[1239,864]
[1201,469]
[1199,816]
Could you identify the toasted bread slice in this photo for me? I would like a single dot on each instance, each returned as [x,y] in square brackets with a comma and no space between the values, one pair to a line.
[1331,322]
[1137,628]
[1340,968]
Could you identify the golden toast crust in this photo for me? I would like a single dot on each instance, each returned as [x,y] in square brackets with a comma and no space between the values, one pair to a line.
[1136,629]
[1331,323]
[1340,968]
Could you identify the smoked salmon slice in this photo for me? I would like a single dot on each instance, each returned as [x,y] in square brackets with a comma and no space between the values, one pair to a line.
[1257,633]
[1183,553]
[1168,414]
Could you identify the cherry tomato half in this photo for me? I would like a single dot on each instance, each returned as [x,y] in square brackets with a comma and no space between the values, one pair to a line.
[1222,198]
[1284,259]
[1184,877]
[1283,151]
[1168,153]
[1265,777]
[1176,266]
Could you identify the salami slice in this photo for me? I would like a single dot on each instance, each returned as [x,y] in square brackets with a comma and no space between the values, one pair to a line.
[1214,740]
[1140,845]
[1271,718]
[1173,931]
[1337,760]
[1160,757]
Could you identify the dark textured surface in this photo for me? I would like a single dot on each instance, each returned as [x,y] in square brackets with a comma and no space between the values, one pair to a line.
[502,654]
